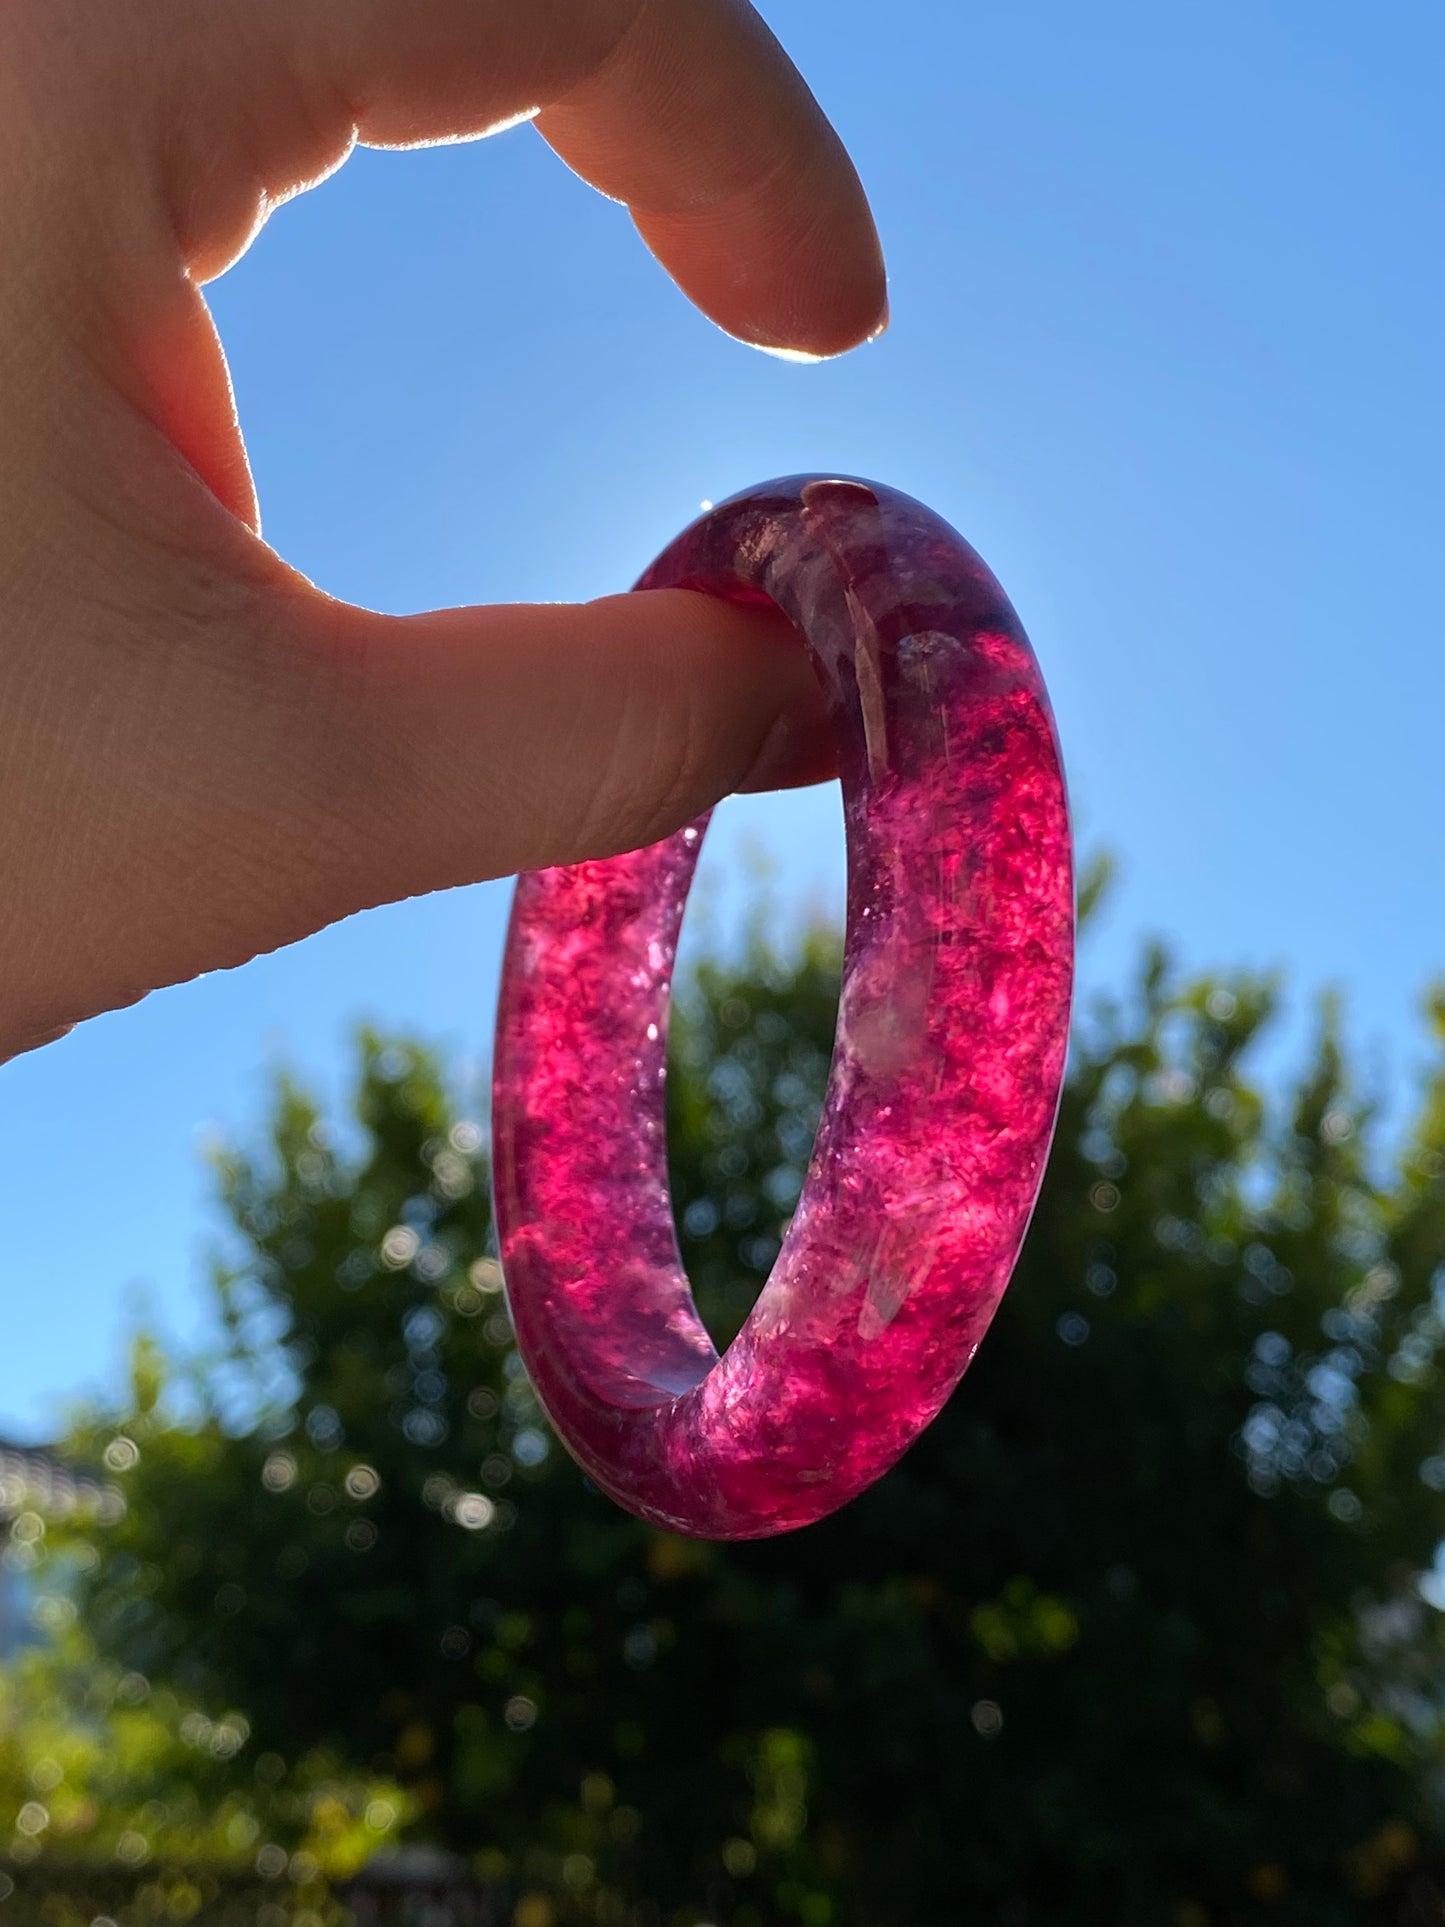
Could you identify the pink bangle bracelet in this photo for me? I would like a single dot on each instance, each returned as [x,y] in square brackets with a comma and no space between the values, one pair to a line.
[946,1071]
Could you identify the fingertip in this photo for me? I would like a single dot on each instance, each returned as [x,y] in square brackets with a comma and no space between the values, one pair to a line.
[826,342]
[797,751]
[736,181]
[750,273]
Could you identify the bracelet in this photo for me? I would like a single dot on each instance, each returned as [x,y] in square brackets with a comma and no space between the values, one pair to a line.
[946,1070]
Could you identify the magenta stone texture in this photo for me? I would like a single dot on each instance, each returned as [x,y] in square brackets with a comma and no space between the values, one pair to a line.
[946,1068]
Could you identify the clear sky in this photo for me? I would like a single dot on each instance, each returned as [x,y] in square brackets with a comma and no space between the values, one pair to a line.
[1168,304]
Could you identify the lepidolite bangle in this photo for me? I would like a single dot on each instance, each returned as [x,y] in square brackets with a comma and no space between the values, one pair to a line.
[946,1069]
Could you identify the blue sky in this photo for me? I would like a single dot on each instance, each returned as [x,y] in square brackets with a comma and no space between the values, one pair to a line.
[1168,298]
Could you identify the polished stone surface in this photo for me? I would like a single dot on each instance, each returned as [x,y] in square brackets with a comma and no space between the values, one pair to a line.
[946,1070]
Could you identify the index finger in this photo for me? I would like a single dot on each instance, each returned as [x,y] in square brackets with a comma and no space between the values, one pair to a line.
[736,180]
[687,110]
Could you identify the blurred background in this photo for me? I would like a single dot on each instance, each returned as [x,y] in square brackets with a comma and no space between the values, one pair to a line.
[1146,1629]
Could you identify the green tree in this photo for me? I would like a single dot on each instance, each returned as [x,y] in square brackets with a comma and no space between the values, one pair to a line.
[1134,1633]
[134,1794]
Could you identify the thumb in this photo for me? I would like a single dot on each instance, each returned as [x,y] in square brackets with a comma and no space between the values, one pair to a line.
[298,759]
[482,741]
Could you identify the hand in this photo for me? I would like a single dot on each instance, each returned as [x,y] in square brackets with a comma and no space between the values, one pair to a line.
[202,756]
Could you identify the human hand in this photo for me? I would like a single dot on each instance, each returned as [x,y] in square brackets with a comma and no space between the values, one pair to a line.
[202,755]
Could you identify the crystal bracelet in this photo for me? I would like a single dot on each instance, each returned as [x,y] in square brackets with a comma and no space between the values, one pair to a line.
[946,1069]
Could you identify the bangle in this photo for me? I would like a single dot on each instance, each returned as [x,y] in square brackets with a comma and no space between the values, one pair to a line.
[946,1069]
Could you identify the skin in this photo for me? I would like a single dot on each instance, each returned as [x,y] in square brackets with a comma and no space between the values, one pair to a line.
[203,756]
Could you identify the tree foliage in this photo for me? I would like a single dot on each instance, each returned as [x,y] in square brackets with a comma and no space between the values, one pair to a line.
[1134,1633]
[121,1780]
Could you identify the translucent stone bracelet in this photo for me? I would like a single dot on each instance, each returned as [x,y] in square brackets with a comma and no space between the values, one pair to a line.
[946,1068]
